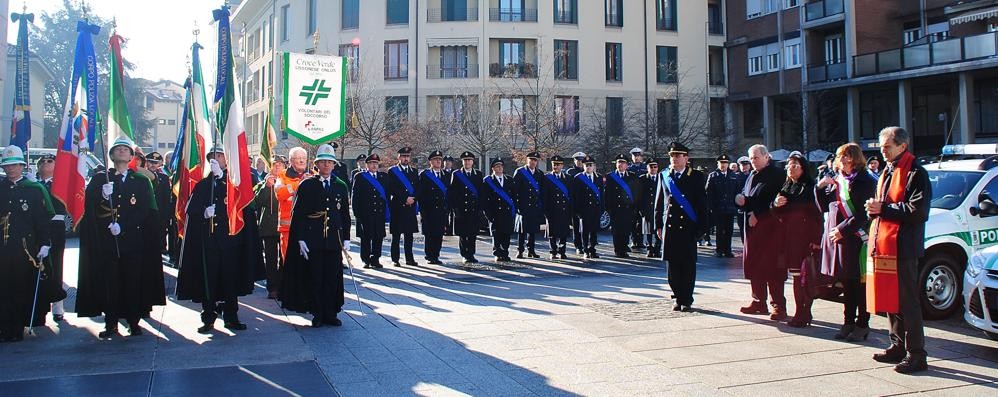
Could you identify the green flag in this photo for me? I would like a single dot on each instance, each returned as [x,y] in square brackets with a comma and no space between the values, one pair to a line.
[119,121]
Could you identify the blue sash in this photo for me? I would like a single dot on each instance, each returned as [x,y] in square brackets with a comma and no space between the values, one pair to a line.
[381,192]
[464,179]
[502,194]
[533,182]
[680,198]
[561,186]
[627,189]
[397,171]
[585,179]
[436,181]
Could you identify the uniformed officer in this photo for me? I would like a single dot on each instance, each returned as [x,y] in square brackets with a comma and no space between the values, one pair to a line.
[339,169]
[121,271]
[448,168]
[621,197]
[57,233]
[401,185]
[431,194]
[371,210]
[500,208]
[529,205]
[638,167]
[648,184]
[163,191]
[25,216]
[680,219]
[320,224]
[361,167]
[266,205]
[557,207]
[722,186]
[465,191]
[587,199]
[577,168]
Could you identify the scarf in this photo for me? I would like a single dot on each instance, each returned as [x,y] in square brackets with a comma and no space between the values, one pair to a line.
[882,275]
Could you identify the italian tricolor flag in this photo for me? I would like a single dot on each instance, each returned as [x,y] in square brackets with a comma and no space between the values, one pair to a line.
[196,139]
[119,121]
[229,119]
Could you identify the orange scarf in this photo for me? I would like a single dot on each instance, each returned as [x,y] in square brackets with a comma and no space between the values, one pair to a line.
[882,268]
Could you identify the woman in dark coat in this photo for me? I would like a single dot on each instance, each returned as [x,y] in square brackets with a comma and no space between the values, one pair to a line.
[800,229]
[845,236]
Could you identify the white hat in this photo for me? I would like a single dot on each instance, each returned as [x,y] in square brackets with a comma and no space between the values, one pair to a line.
[325,152]
[122,141]
[579,156]
[743,159]
[12,155]
[636,150]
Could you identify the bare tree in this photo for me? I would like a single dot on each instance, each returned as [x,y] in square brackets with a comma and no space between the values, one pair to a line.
[608,131]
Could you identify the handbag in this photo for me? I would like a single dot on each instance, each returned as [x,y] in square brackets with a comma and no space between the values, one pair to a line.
[817,284]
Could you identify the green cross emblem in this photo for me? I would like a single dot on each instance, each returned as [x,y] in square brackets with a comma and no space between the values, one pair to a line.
[313,93]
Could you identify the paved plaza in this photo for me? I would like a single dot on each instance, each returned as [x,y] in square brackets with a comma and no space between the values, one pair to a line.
[595,328]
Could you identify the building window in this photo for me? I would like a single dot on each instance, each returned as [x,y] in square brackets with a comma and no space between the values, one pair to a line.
[566,59]
[452,110]
[764,59]
[791,53]
[511,111]
[457,10]
[285,26]
[666,64]
[614,13]
[667,115]
[773,61]
[791,3]
[615,116]
[566,110]
[665,11]
[834,49]
[512,60]
[398,12]
[509,11]
[614,65]
[161,121]
[312,16]
[566,11]
[352,53]
[453,62]
[350,17]
[758,8]
[396,112]
[396,60]
[876,110]
[912,35]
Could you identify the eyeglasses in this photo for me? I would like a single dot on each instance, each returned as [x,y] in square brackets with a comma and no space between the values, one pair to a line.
[46,161]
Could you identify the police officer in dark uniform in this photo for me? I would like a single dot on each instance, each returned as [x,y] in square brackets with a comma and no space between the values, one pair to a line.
[320,227]
[577,168]
[371,210]
[621,188]
[463,195]
[529,207]
[638,167]
[431,194]
[648,184]
[587,199]
[361,167]
[267,205]
[448,168]
[556,187]
[500,208]
[402,180]
[163,190]
[681,221]
[722,186]
[339,169]
[57,232]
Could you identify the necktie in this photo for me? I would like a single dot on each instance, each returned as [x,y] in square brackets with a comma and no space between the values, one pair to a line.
[325,184]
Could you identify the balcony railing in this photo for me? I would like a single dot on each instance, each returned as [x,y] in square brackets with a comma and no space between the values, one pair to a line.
[451,72]
[825,8]
[451,15]
[514,70]
[665,24]
[396,72]
[829,72]
[935,53]
[715,26]
[716,79]
[565,16]
[513,14]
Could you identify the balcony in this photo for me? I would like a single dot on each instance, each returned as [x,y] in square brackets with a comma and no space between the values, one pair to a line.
[513,70]
[565,17]
[924,55]
[452,72]
[452,15]
[816,10]
[715,26]
[828,72]
[665,24]
[513,14]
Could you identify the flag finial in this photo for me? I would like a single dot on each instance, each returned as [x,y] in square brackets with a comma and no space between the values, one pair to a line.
[315,40]
[196,31]
[83,8]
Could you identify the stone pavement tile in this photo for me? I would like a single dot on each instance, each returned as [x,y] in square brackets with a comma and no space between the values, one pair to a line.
[224,349]
[942,374]
[341,374]
[377,359]
[502,384]
[434,390]
[988,389]
[709,336]
[421,361]
[366,389]
[131,384]
[980,347]
[505,360]
[694,356]
[655,388]
[300,378]
[405,381]
[834,385]
[537,383]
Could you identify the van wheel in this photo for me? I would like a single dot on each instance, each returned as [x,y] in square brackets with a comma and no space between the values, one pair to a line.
[604,221]
[940,279]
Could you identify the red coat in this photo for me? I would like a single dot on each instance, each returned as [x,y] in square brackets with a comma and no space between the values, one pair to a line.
[782,238]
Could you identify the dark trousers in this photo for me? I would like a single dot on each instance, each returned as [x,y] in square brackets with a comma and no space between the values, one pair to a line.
[209,311]
[653,242]
[577,234]
[431,246]
[272,261]
[525,239]
[407,238]
[683,274]
[500,243]
[724,225]
[173,241]
[775,288]
[906,326]
[590,237]
[855,304]
[558,245]
[622,223]
[637,237]
[14,313]
[466,243]
[371,243]
[326,271]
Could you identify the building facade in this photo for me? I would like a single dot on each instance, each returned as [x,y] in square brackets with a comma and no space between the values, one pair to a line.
[164,106]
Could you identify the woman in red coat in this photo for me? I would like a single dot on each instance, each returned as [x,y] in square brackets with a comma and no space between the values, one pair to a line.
[800,229]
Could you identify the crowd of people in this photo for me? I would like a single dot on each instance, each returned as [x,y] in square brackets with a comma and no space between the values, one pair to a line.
[822,227]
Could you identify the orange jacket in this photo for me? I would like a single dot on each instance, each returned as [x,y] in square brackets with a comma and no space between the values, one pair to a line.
[285,189]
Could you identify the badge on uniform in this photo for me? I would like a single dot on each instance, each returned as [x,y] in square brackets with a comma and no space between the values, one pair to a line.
[337,205]
[24,206]
[132,200]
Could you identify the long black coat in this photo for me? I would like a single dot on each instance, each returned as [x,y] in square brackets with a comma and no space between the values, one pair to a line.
[557,204]
[465,202]
[497,210]
[529,204]
[368,205]
[432,202]
[680,231]
[619,205]
[588,204]
[25,217]
[721,190]
[403,219]
[847,251]
[163,191]
[646,203]
[239,258]
[137,215]
[760,244]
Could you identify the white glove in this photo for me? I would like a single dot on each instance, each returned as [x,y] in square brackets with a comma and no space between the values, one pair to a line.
[346,245]
[115,228]
[215,168]
[44,252]
[106,190]
[303,248]
[209,212]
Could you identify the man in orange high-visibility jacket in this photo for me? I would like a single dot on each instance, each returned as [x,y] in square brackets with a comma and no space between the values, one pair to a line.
[285,189]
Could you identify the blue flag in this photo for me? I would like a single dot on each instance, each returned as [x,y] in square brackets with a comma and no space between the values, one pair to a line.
[20,124]
[82,99]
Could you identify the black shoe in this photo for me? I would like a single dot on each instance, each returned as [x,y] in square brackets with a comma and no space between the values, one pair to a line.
[563,256]
[893,355]
[206,329]
[579,252]
[911,365]
[332,321]
[677,307]
[687,309]
[396,264]
[653,254]
[368,266]
[623,255]
[533,254]
[594,255]
[316,322]
[135,330]
[553,256]
[377,265]
[57,318]
[413,264]
[235,326]
[519,255]
[729,255]
[473,260]
[108,333]
[435,262]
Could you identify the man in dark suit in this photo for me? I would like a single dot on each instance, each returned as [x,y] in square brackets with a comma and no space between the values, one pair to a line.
[722,185]
[431,194]
[448,168]
[680,220]
[529,208]
[402,180]
[648,184]
[556,188]
[577,168]
[162,189]
[463,197]
[500,208]
[371,210]
[621,187]
[587,199]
